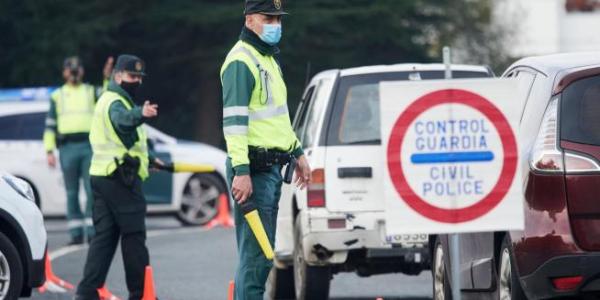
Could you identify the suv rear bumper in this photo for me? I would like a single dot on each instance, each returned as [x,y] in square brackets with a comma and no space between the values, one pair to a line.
[364,230]
[538,285]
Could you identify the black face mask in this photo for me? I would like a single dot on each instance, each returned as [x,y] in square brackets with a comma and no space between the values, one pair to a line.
[131,88]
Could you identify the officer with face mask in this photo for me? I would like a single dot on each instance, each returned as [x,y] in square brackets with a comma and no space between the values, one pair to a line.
[119,165]
[67,128]
[259,136]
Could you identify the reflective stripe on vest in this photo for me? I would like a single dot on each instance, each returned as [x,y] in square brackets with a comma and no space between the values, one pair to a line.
[74,108]
[107,145]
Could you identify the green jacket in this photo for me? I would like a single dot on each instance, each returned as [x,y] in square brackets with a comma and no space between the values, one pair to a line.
[239,85]
[126,121]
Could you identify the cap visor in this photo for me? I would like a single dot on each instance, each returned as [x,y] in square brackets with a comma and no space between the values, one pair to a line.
[274,13]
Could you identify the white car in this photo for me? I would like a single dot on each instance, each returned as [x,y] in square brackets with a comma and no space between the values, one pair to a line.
[193,198]
[337,223]
[23,239]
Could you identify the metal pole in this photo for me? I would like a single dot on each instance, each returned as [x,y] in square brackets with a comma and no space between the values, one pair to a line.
[454,239]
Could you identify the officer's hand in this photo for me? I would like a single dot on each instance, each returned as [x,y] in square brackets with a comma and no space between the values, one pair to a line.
[108,67]
[149,110]
[51,159]
[157,162]
[241,188]
[303,173]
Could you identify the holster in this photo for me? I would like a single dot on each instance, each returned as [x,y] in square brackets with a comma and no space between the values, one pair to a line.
[127,169]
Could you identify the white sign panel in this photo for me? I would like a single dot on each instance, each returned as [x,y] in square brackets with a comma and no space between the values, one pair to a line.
[451,156]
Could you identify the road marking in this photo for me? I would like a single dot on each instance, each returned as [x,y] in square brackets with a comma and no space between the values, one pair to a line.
[66,250]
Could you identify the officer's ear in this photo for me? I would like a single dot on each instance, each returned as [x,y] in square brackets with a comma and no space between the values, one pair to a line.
[118,77]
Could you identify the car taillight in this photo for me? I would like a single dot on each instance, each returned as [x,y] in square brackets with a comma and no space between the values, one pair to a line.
[546,157]
[316,189]
[567,283]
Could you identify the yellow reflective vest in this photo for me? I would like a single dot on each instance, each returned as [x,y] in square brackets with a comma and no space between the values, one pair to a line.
[107,146]
[264,121]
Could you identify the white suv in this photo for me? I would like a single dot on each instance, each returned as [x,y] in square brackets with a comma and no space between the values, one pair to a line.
[337,223]
[22,239]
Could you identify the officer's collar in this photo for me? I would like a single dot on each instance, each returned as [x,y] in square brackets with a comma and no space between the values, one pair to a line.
[114,87]
[252,38]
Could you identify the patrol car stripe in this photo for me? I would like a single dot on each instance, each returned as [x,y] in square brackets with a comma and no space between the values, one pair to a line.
[269,112]
[236,129]
[235,111]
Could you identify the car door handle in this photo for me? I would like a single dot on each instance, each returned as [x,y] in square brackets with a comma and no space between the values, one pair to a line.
[355,172]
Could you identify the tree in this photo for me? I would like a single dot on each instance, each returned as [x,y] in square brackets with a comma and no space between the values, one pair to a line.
[184,43]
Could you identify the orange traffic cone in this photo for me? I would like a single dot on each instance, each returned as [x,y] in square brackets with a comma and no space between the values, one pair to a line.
[105,294]
[223,216]
[149,293]
[53,283]
[231,290]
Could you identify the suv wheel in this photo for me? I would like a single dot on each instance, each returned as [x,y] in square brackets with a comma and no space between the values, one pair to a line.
[280,285]
[509,287]
[11,270]
[441,284]
[200,199]
[311,283]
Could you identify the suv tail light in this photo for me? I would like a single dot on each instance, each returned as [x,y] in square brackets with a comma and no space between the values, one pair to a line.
[546,157]
[316,189]
[567,283]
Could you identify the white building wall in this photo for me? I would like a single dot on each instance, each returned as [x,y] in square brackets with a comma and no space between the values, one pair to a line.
[538,27]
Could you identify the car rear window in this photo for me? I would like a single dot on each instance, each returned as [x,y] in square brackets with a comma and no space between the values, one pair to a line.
[355,117]
[580,112]
[29,126]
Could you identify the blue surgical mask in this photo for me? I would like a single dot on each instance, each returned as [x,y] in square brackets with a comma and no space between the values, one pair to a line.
[271,34]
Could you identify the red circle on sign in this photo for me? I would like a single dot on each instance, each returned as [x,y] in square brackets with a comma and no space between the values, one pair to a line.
[509,147]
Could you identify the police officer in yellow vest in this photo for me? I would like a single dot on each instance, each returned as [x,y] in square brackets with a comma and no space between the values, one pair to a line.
[259,136]
[119,165]
[67,126]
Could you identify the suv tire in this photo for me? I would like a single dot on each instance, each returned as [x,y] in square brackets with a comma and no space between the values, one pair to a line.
[509,286]
[11,270]
[311,282]
[281,284]
[439,272]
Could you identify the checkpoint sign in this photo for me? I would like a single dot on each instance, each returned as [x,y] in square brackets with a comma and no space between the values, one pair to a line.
[452,156]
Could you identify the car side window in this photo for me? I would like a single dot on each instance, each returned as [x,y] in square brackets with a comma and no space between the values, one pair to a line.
[314,112]
[10,127]
[525,79]
[32,126]
[300,119]
[22,126]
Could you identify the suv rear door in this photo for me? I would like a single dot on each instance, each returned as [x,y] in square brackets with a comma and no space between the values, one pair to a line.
[353,167]
[580,139]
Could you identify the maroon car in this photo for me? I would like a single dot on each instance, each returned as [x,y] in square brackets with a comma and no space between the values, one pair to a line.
[558,253]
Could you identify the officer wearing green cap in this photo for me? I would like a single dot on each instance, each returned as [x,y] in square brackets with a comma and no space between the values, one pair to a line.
[67,128]
[119,165]
[259,136]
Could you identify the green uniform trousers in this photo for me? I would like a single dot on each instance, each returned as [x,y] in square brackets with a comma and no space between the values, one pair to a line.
[119,214]
[253,268]
[75,158]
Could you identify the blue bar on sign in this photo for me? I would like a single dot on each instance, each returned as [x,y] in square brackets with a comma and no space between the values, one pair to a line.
[451,157]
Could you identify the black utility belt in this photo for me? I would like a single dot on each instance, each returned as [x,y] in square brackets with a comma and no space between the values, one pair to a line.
[268,157]
[263,160]
[63,139]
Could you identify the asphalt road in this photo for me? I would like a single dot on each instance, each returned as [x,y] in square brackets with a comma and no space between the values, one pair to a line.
[191,263]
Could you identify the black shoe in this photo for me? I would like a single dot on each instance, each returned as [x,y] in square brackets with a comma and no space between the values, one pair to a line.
[78,240]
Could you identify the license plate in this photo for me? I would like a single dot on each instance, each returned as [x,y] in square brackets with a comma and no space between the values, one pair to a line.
[408,239]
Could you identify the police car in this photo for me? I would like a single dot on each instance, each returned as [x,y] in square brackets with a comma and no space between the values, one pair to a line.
[22,239]
[337,223]
[192,198]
